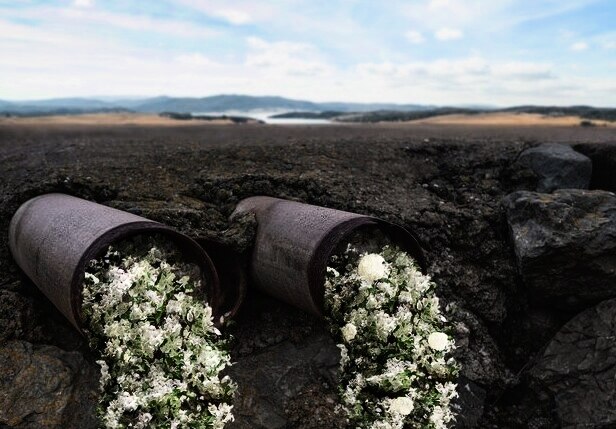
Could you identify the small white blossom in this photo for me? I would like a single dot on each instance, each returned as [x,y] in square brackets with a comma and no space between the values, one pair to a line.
[372,267]
[438,341]
[402,405]
[349,331]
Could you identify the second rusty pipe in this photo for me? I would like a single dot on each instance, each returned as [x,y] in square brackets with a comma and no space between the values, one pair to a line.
[295,241]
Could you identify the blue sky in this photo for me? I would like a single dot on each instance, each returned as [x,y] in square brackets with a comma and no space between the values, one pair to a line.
[500,52]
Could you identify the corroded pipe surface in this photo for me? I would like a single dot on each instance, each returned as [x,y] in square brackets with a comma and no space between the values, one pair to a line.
[52,238]
[231,270]
[295,241]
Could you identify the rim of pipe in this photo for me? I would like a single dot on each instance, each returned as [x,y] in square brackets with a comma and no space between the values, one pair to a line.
[185,244]
[318,263]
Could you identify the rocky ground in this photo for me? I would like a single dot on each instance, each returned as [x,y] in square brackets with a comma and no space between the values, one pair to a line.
[533,273]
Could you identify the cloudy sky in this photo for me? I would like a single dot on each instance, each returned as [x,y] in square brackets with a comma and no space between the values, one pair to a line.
[500,52]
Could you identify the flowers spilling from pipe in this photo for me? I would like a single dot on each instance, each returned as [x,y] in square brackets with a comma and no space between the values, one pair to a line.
[396,365]
[161,355]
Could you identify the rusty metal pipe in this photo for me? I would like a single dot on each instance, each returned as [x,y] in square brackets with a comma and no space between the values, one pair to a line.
[231,270]
[52,238]
[295,241]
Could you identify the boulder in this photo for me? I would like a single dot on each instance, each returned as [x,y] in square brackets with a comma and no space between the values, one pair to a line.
[482,371]
[44,386]
[557,166]
[603,157]
[18,318]
[565,245]
[578,368]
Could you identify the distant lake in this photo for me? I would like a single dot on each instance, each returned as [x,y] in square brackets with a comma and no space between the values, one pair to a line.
[265,117]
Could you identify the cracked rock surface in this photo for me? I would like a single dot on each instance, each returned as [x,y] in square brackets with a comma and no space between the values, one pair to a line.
[578,367]
[565,245]
[44,386]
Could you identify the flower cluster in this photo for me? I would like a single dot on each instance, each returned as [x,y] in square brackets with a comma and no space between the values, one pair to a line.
[396,364]
[161,355]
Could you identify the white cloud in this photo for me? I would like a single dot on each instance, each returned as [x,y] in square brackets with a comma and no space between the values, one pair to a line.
[196,59]
[234,16]
[414,37]
[73,21]
[605,40]
[463,80]
[241,12]
[579,46]
[523,70]
[463,68]
[83,3]
[286,57]
[138,23]
[473,66]
[448,34]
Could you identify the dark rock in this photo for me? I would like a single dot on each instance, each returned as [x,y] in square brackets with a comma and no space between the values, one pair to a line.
[43,386]
[470,404]
[540,325]
[557,166]
[603,157]
[565,245]
[478,355]
[578,367]
[272,382]
[314,408]
[482,372]
[17,317]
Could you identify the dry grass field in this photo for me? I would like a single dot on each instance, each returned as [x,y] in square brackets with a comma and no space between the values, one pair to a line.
[105,119]
[509,119]
[153,120]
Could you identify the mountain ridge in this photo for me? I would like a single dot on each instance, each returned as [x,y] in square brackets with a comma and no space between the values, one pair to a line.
[214,103]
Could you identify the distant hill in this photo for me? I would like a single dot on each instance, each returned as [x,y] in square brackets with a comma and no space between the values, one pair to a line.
[377,115]
[51,111]
[371,107]
[225,103]
[216,103]
[220,104]
[67,103]
[584,112]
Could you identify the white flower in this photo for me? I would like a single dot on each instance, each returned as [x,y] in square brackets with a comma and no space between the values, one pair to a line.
[143,420]
[127,401]
[344,356]
[222,413]
[438,341]
[151,337]
[402,405]
[440,417]
[92,278]
[174,306]
[104,372]
[372,267]
[385,324]
[349,331]
[139,307]
[400,350]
